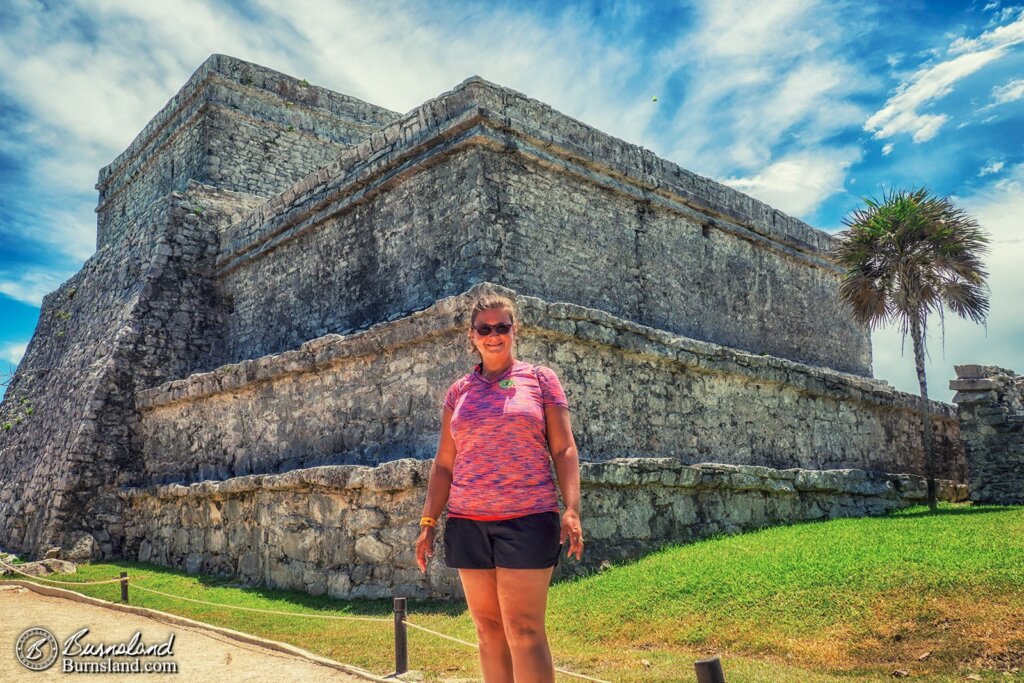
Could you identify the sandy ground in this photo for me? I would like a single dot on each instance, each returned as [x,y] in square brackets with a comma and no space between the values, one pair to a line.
[201,655]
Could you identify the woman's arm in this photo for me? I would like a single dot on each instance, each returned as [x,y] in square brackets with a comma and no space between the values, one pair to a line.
[438,488]
[567,466]
[440,482]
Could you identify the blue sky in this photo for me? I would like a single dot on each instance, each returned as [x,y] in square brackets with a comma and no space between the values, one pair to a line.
[806,105]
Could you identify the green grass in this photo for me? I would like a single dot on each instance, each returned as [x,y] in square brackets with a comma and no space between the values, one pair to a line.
[846,600]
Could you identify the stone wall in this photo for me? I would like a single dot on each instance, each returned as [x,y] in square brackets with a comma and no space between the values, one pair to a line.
[991,409]
[349,531]
[141,311]
[396,252]
[233,125]
[570,240]
[375,395]
[485,184]
[72,375]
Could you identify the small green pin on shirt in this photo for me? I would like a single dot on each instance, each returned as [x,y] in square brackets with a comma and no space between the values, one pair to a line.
[506,384]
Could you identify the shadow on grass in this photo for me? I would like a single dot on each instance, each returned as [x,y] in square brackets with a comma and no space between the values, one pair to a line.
[911,512]
[960,509]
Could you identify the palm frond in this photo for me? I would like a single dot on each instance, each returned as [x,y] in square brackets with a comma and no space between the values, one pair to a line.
[908,255]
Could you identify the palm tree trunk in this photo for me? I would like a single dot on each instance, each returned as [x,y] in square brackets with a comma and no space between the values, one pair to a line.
[926,421]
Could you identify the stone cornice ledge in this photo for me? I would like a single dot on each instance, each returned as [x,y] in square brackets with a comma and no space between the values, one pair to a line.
[479,112]
[568,321]
[408,473]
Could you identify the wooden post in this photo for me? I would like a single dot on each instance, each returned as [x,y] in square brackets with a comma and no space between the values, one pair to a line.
[709,670]
[124,587]
[401,638]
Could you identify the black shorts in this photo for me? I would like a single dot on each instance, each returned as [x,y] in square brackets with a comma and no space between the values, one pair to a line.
[529,542]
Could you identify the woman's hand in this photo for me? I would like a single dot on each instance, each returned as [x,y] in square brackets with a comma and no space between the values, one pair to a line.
[425,547]
[573,531]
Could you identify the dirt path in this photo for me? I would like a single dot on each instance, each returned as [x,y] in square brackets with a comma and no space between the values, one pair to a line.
[200,654]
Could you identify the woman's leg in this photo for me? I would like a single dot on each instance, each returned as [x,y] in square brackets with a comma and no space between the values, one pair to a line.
[481,591]
[523,598]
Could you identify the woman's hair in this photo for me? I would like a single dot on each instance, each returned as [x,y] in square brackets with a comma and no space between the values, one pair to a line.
[487,303]
[491,301]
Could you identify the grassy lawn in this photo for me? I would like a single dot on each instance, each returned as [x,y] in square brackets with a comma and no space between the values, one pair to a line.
[939,596]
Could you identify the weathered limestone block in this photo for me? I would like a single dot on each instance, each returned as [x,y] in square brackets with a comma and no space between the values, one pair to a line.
[326,510]
[193,563]
[302,544]
[371,549]
[315,582]
[365,520]
[43,567]
[339,585]
[216,541]
[250,565]
[287,575]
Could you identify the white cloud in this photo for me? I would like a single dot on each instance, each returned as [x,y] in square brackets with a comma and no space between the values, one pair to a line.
[1006,13]
[1001,36]
[902,113]
[30,287]
[365,50]
[100,92]
[1011,92]
[737,28]
[797,184]
[887,149]
[991,168]
[767,87]
[64,234]
[998,208]
[12,352]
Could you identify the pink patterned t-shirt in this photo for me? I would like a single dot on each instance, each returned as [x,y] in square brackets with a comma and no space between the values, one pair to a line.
[502,462]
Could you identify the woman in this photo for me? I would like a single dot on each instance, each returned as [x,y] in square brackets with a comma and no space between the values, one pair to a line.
[501,426]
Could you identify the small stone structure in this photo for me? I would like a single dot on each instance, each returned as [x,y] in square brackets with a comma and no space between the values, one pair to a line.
[279,285]
[991,408]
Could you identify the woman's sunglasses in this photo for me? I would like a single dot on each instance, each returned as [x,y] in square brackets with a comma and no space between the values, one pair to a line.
[500,328]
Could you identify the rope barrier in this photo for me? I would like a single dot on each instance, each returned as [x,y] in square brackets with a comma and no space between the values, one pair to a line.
[64,583]
[583,676]
[474,645]
[424,628]
[277,612]
[263,611]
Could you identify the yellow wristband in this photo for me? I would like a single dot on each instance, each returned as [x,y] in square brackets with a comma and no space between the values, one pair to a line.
[428,521]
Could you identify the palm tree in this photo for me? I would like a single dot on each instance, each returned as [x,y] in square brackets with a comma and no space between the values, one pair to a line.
[907,256]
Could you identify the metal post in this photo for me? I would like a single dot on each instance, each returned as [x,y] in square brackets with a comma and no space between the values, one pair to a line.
[709,670]
[401,638]
[124,587]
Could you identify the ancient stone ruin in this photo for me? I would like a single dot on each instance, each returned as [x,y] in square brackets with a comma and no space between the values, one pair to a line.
[246,377]
[991,410]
